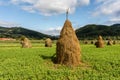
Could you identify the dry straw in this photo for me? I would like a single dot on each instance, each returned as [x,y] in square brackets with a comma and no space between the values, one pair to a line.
[68,47]
[85,42]
[110,42]
[100,42]
[25,42]
[92,42]
[48,42]
[114,42]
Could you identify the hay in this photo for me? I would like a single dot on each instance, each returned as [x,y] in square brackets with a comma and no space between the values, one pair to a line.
[85,42]
[110,42]
[68,48]
[25,42]
[48,42]
[114,42]
[100,42]
[92,42]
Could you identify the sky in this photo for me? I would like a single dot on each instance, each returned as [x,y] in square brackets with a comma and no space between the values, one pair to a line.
[48,16]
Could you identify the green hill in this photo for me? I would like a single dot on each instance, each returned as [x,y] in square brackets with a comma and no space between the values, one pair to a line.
[92,31]
[16,32]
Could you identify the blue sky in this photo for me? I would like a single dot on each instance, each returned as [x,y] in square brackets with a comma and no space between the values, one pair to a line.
[48,16]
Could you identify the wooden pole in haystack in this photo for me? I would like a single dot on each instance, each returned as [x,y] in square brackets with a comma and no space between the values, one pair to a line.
[67,14]
[68,47]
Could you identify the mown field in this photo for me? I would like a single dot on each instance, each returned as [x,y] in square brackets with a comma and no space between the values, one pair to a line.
[35,63]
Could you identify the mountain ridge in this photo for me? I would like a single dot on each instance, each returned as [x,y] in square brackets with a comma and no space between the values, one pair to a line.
[93,30]
[90,31]
[16,32]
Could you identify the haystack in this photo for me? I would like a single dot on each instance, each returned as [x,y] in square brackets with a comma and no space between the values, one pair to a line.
[92,42]
[114,42]
[100,42]
[68,48]
[25,42]
[48,42]
[85,42]
[110,42]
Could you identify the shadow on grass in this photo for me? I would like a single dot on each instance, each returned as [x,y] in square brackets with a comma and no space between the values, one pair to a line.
[52,58]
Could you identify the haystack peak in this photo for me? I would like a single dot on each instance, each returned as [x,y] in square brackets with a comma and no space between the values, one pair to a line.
[67,28]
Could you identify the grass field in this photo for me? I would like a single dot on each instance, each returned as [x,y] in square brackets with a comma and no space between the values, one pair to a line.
[35,63]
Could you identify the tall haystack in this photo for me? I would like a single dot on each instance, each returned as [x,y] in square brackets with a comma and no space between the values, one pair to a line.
[48,42]
[25,42]
[100,42]
[68,47]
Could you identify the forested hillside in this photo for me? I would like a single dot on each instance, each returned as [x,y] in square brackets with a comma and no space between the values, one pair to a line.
[86,32]
[92,31]
[16,32]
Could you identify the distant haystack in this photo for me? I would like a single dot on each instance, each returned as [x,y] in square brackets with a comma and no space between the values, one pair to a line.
[100,42]
[114,42]
[25,42]
[68,47]
[48,42]
[92,42]
[110,42]
[85,42]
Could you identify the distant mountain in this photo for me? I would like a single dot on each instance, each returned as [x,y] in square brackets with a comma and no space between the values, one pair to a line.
[16,32]
[93,30]
[90,31]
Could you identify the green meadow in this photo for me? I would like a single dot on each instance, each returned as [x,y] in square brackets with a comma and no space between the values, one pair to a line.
[36,63]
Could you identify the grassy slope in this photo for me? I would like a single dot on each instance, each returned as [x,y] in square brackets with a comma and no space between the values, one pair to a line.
[35,64]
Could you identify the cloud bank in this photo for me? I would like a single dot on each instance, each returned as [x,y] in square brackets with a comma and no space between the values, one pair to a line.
[56,7]
[52,31]
[109,8]
[49,7]
[8,24]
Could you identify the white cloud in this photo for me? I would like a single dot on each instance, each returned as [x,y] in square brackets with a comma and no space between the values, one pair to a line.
[8,24]
[107,7]
[52,31]
[113,20]
[28,8]
[49,7]
[58,28]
